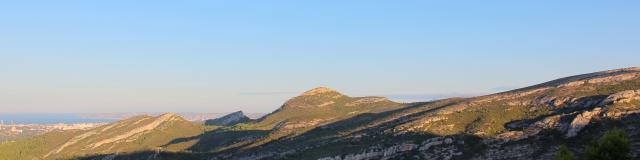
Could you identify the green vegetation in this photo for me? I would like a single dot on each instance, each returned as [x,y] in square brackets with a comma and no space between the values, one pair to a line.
[485,120]
[564,154]
[624,107]
[34,147]
[488,118]
[303,113]
[80,143]
[613,145]
[607,89]
[325,107]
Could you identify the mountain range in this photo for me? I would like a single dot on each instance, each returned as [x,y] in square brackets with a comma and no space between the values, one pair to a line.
[322,123]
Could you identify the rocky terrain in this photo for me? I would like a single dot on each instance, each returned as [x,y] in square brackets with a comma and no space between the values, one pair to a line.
[526,123]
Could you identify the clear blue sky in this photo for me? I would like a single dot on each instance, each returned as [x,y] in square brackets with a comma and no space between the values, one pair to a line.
[223,56]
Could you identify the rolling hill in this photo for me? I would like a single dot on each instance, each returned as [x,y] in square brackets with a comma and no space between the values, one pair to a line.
[526,123]
[140,133]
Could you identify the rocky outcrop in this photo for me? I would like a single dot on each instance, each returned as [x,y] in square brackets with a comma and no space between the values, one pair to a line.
[563,123]
[229,120]
[581,121]
[620,114]
[622,97]
[622,104]
[551,122]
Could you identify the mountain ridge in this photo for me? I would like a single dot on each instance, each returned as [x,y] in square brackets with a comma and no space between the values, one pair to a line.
[321,123]
[133,134]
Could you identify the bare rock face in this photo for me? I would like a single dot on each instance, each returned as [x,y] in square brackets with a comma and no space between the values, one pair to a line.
[228,120]
[552,122]
[622,97]
[581,121]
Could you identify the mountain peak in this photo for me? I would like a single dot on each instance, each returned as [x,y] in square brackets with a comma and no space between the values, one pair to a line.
[229,119]
[169,115]
[319,90]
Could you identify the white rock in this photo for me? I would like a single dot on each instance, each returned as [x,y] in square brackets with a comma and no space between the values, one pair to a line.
[622,97]
[581,121]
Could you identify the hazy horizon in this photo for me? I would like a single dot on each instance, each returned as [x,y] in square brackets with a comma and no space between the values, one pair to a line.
[225,56]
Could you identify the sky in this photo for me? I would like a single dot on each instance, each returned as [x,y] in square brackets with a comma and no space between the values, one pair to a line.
[224,56]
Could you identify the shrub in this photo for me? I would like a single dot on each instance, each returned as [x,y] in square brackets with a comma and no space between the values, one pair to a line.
[613,145]
[564,154]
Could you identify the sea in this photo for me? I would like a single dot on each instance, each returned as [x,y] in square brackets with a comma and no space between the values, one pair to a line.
[47,118]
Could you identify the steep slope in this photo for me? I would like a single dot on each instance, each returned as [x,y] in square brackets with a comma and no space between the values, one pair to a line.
[229,120]
[133,134]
